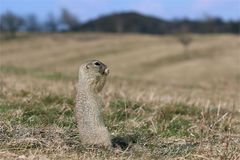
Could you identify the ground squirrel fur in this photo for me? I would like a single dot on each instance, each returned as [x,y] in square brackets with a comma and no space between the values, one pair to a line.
[92,78]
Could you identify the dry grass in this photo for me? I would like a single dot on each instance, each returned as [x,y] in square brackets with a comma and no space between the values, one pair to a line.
[171,107]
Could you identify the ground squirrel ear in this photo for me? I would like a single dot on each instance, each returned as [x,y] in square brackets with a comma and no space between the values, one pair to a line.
[87,66]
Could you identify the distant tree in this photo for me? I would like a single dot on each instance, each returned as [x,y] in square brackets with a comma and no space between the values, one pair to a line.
[51,23]
[69,20]
[10,23]
[210,24]
[185,38]
[119,24]
[32,24]
[234,26]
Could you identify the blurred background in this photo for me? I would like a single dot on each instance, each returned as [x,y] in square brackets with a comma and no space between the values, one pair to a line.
[174,83]
[170,48]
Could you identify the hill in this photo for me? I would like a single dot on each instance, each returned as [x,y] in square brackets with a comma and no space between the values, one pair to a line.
[125,22]
[138,23]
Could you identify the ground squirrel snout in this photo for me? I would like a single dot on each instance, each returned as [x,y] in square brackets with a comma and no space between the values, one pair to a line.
[92,78]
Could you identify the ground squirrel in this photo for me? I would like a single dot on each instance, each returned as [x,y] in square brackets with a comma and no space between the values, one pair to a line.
[92,78]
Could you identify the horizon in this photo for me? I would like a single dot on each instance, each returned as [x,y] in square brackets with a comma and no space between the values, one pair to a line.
[190,9]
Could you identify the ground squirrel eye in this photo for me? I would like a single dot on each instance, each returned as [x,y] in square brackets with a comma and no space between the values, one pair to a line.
[97,63]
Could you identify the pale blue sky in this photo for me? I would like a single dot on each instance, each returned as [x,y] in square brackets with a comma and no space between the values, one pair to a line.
[88,9]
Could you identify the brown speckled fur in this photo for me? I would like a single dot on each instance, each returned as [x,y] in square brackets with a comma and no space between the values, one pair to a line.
[89,104]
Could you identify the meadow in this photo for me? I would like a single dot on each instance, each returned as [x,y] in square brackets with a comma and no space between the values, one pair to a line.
[168,105]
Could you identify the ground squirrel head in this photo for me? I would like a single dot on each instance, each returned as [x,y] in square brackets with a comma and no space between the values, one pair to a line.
[93,74]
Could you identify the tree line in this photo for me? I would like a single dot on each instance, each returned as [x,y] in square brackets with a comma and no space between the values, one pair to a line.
[11,23]
[135,22]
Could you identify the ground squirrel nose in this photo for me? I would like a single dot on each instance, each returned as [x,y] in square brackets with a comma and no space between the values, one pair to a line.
[106,71]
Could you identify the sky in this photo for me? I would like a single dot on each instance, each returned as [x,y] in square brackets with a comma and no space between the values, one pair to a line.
[90,9]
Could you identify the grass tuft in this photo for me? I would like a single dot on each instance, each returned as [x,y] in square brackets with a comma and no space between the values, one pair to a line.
[177,127]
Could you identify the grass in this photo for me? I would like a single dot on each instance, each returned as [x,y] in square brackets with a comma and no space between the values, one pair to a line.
[33,72]
[40,111]
[159,104]
[172,130]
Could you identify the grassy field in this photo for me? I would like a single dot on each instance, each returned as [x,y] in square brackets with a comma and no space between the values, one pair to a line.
[169,105]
